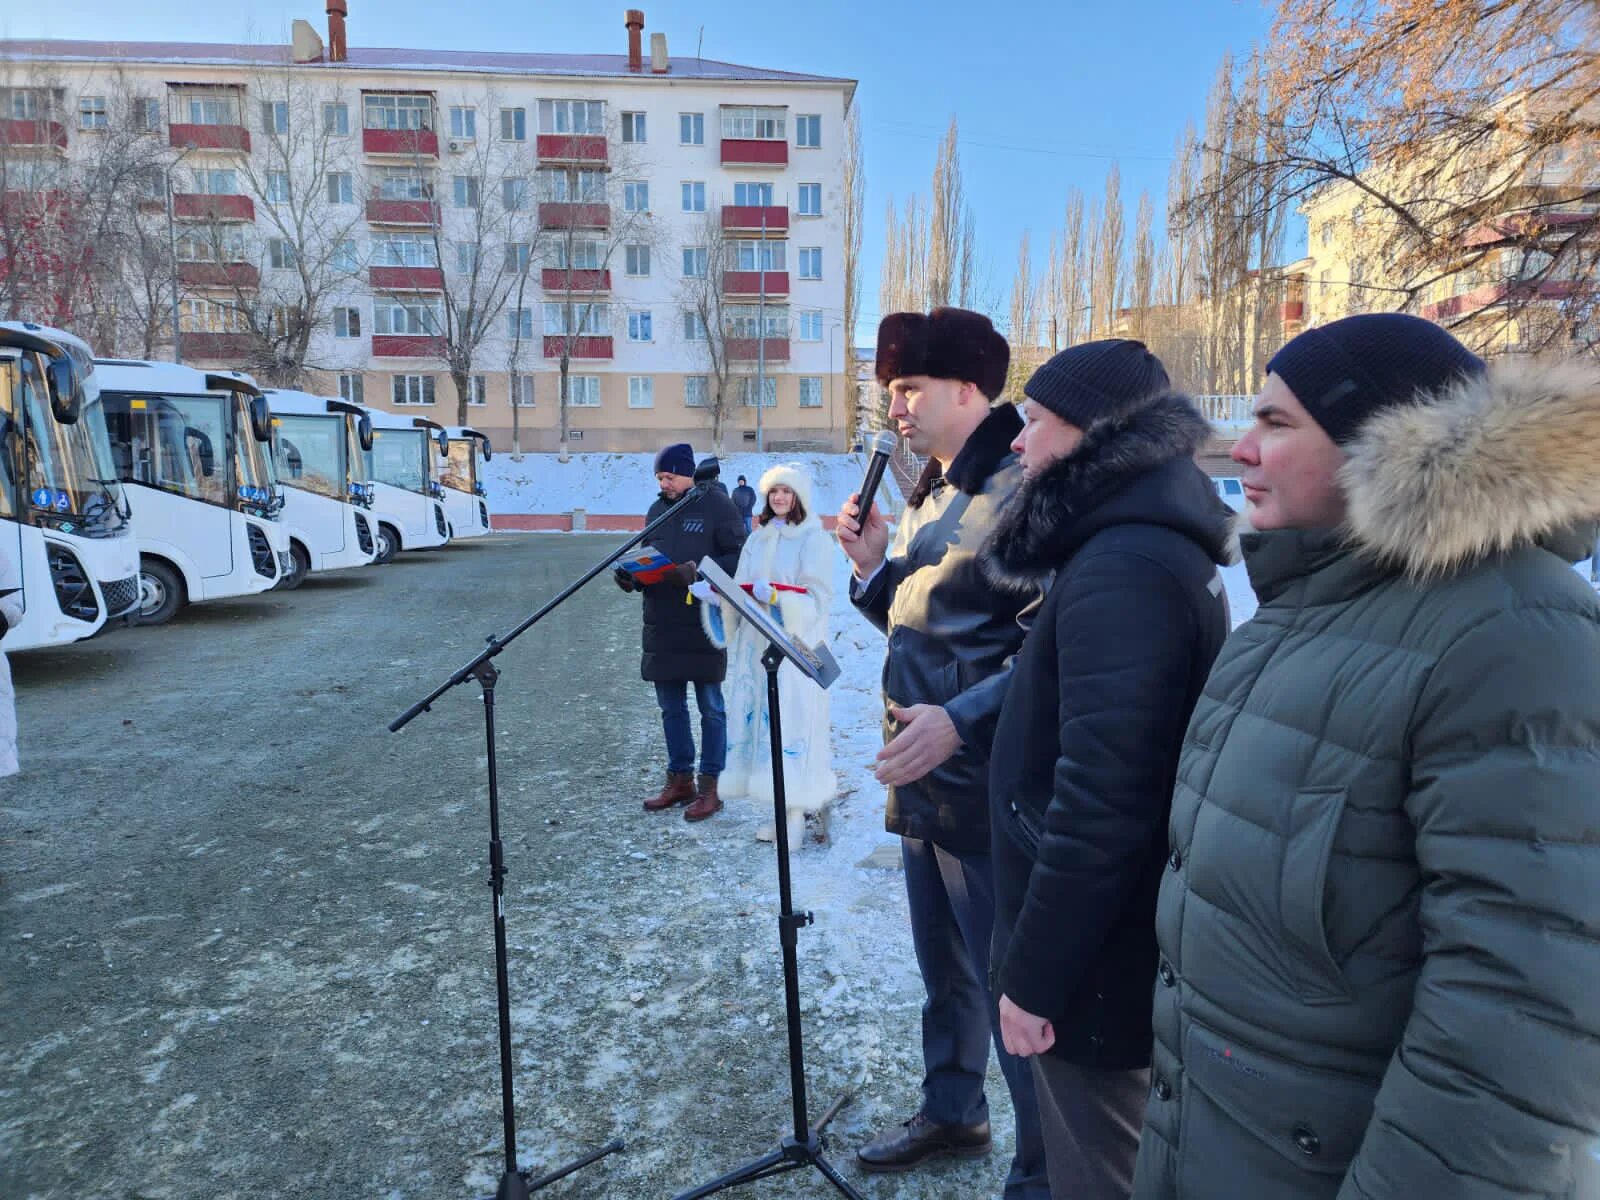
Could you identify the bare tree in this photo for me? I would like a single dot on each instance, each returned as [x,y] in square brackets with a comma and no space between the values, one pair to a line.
[855,188]
[1023,326]
[1106,290]
[710,322]
[950,229]
[1064,303]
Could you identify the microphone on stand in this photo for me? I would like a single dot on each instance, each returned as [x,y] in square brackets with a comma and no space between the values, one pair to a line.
[883,444]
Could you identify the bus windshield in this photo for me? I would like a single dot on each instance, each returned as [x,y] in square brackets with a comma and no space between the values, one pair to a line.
[310,453]
[458,469]
[251,462]
[357,459]
[70,469]
[400,458]
[176,443]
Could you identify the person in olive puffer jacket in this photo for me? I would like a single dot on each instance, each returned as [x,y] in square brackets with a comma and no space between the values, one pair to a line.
[1380,922]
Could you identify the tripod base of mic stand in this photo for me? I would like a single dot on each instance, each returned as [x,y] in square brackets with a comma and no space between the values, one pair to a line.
[791,1155]
[515,1185]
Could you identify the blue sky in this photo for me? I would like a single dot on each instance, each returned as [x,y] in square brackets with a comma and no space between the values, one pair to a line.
[1048,92]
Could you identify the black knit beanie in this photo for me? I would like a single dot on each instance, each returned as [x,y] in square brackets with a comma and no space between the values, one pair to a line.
[676,459]
[1094,381]
[1345,371]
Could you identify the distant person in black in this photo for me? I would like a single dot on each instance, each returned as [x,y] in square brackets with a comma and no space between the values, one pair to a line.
[744,499]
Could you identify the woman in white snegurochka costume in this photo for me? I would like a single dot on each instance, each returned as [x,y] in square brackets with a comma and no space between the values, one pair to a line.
[791,547]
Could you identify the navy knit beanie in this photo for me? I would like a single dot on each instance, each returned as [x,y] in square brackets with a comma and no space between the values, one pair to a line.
[676,459]
[1345,371]
[1094,381]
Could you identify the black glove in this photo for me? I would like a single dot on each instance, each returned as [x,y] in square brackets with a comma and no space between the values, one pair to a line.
[624,580]
[683,575]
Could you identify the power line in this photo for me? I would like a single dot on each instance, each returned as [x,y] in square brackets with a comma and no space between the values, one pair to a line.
[1054,152]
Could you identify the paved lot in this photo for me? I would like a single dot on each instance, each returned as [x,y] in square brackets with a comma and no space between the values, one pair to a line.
[247,932]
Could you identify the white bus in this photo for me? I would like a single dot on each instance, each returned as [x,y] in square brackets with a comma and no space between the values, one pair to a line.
[192,451]
[408,501]
[460,471]
[319,446]
[64,519]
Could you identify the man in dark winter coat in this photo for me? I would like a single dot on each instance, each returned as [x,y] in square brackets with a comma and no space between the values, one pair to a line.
[676,649]
[1126,532]
[950,637]
[1380,925]
[744,499]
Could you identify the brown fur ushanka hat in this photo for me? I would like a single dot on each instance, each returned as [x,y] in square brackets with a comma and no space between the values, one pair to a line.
[948,343]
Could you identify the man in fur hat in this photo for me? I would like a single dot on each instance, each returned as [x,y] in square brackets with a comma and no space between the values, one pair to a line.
[1126,532]
[950,637]
[1380,926]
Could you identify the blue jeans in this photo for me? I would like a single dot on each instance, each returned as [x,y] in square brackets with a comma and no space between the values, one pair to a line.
[674,701]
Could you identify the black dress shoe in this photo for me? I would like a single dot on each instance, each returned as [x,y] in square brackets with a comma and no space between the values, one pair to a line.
[920,1139]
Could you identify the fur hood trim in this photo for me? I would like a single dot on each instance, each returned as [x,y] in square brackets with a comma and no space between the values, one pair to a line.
[793,476]
[1489,463]
[985,450]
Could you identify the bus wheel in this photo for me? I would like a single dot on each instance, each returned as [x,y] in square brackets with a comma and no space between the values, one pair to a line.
[299,568]
[388,544]
[160,593]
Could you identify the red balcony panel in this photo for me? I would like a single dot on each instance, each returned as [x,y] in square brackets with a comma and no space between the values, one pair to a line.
[225,347]
[33,133]
[408,279]
[211,137]
[559,279]
[234,274]
[748,283]
[582,346]
[754,152]
[407,345]
[749,349]
[572,147]
[748,218]
[402,212]
[558,214]
[214,208]
[415,143]
[1293,310]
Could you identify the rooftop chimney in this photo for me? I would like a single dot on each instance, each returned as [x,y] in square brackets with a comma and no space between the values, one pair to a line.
[304,42]
[658,53]
[338,10]
[634,20]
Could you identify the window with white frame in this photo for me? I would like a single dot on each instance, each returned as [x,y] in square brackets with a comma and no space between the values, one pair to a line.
[91,112]
[811,391]
[697,391]
[514,194]
[404,250]
[346,322]
[205,106]
[749,320]
[519,257]
[336,118]
[199,315]
[466,258]
[808,131]
[144,114]
[277,187]
[754,123]
[346,255]
[580,254]
[583,391]
[753,194]
[810,262]
[641,391]
[694,197]
[519,324]
[633,127]
[573,187]
[572,116]
[811,326]
[757,255]
[639,325]
[404,183]
[23,104]
[150,182]
[694,327]
[810,197]
[478,391]
[745,390]
[415,316]
[216,181]
[468,191]
[464,123]
[562,318]
[280,254]
[691,129]
[403,112]
[351,388]
[216,243]
[411,389]
[694,262]
[274,117]
[522,391]
[513,124]
[341,187]
[636,196]
[636,259]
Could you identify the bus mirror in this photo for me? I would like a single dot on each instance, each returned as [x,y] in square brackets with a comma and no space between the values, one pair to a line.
[444,444]
[66,389]
[487,453]
[260,419]
[203,450]
[364,431]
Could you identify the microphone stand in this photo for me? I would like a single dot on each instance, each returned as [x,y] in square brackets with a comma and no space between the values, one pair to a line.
[515,1183]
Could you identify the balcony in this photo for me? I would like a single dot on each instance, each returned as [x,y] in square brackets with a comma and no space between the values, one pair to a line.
[560,279]
[1495,293]
[230,348]
[583,346]
[15,132]
[748,218]
[754,152]
[748,349]
[559,214]
[193,206]
[1292,310]
[407,279]
[211,137]
[586,149]
[738,285]
[403,212]
[409,143]
[209,274]
[407,345]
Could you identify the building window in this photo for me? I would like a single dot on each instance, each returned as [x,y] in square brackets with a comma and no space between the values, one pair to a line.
[466,258]
[514,194]
[583,391]
[808,131]
[341,187]
[694,262]
[746,391]
[411,389]
[811,327]
[754,195]
[810,199]
[404,183]
[347,322]
[151,182]
[584,255]
[639,325]
[697,391]
[575,187]
[464,123]
[810,391]
[412,112]
[694,327]
[209,244]
[144,114]
[691,129]
[406,317]
[336,118]
[513,124]
[522,390]
[216,181]
[277,190]
[92,112]
[810,262]
[637,259]
[572,116]
[641,391]
[21,104]
[750,320]
[752,123]
[280,254]
[404,250]
[519,256]
[694,197]
[757,255]
[478,391]
[346,256]
[197,315]
[580,320]
[519,324]
[633,127]
[275,117]
[636,196]
[206,106]
[467,191]
[351,388]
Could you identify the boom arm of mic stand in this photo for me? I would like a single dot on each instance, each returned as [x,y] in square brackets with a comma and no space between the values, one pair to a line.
[497,644]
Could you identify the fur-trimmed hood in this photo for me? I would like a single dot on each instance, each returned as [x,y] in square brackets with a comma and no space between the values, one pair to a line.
[1492,462]
[793,476]
[1135,469]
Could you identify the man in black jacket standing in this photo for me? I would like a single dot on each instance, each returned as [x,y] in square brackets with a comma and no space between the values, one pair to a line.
[1126,532]
[744,499]
[950,636]
[676,649]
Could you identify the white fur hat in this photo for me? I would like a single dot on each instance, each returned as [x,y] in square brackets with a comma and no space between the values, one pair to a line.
[792,476]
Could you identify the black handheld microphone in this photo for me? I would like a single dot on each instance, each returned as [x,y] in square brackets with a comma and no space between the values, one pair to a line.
[883,445]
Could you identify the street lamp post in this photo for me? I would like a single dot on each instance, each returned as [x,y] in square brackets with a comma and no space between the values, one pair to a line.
[172,247]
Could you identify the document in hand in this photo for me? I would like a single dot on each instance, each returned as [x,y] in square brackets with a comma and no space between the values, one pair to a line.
[646,564]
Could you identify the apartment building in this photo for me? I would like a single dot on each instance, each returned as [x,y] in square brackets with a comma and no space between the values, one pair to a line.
[669,227]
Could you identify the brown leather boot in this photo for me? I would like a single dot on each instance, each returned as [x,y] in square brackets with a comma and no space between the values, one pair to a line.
[679,789]
[706,800]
